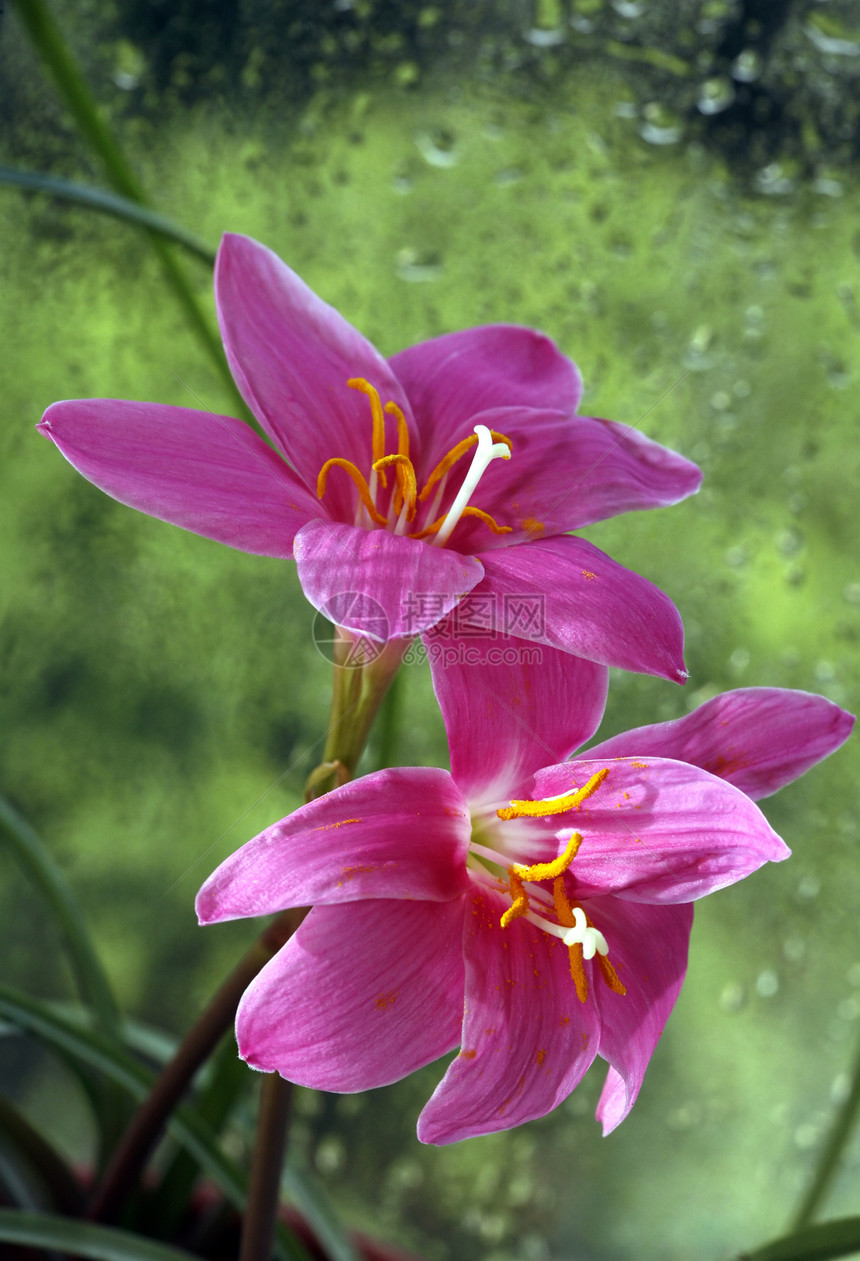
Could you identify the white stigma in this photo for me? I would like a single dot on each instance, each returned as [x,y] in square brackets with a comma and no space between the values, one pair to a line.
[485,452]
[591,939]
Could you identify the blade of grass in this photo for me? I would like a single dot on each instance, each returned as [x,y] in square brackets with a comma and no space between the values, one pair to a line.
[47,39]
[815,1243]
[95,1051]
[36,860]
[109,204]
[54,1174]
[83,1239]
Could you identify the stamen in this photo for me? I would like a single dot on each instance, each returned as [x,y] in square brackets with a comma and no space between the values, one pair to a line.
[338,461]
[610,976]
[378,440]
[553,805]
[537,871]
[551,871]
[402,428]
[520,903]
[485,453]
[467,512]
[407,485]
[454,455]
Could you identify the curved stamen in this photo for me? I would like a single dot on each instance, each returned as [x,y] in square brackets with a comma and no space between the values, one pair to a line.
[553,805]
[402,428]
[407,485]
[338,461]
[467,512]
[378,439]
[454,455]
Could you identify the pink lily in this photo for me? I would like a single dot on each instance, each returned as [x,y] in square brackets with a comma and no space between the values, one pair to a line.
[368,481]
[535,916]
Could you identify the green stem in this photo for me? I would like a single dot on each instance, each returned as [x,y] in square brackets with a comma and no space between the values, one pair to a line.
[388,727]
[146,1126]
[47,39]
[831,1154]
[109,204]
[357,693]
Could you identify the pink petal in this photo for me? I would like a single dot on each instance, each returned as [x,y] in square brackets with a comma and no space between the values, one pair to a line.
[359,997]
[509,706]
[399,833]
[593,607]
[648,949]
[758,738]
[452,378]
[565,473]
[659,831]
[527,1039]
[379,584]
[292,355]
[209,474]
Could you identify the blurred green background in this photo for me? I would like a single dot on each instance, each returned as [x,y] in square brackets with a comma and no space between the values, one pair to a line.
[671,192]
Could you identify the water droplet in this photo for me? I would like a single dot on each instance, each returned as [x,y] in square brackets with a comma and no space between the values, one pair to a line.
[715,95]
[790,541]
[721,401]
[829,36]
[747,66]
[806,1136]
[438,147]
[659,125]
[733,997]
[510,175]
[851,595]
[684,1117]
[418,265]
[827,187]
[825,671]
[739,660]
[809,888]
[773,181]
[840,1088]
[544,37]
[794,949]
[330,1155]
[767,983]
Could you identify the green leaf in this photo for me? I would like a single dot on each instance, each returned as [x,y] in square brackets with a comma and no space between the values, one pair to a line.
[814,1243]
[25,1144]
[37,862]
[110,204]
[314,1205]
[82,1239]
[96,1051]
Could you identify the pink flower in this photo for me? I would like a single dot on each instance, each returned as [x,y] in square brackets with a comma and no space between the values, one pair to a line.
[535,916]
[459,465]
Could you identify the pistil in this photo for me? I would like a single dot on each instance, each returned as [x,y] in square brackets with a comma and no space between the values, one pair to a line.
[487,450]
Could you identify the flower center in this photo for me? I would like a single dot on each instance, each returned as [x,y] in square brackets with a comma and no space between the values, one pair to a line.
[406,505]
[570,922]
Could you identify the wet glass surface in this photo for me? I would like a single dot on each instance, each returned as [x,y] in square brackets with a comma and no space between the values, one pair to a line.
[671,192]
